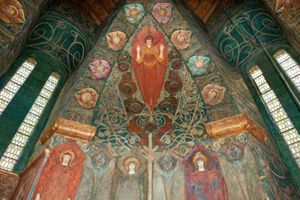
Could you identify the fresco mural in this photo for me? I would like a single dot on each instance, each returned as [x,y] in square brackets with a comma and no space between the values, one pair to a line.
[12,12]
[16,18]
[150,57]
[58,45]
[70,40]
[168,176]
[203,176]
[249,29]
[148,88]
[61,174]
[30,177]
[287,11]
[286,5]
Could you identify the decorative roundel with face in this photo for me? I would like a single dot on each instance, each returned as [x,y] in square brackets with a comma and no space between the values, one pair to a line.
[234,153]
[100,161]
[167,163]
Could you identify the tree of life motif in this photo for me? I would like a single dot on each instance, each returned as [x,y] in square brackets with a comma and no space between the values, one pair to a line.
[150,103]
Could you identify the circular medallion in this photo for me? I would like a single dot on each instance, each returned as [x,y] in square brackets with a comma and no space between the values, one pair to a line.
[123,66]
[176,64]
[133,106]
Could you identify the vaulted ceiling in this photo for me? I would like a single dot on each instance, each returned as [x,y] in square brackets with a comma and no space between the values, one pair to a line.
[206,9]
[98,10]
[95,10]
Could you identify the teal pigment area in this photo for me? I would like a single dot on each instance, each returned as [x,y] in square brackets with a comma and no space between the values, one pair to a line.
[243,45]
[58,46]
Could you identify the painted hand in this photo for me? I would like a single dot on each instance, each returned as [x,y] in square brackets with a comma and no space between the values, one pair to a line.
[138,53]
[38,196]
[161,48]
[138,49]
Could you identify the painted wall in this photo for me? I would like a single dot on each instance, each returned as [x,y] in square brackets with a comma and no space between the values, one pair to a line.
[136,149]
[14,31]
[58,45]
[287,13]
[251,37]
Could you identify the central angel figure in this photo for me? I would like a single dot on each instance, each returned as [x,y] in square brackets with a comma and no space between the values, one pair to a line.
[150,58]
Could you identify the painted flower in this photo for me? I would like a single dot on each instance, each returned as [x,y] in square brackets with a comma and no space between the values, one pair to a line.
[87,97]
[99,68]
[134,12]
[181,39]
[213,94]
[162,12]
[116,40]
[11,11]
[198,65]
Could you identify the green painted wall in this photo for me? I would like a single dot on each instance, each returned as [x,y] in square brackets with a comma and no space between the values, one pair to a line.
[246,40]
[280,87]
[13,36]
[58,45]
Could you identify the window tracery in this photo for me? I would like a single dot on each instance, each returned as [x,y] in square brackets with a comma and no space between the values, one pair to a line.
[289,66]
[19,141]
[15,83]
[277,112]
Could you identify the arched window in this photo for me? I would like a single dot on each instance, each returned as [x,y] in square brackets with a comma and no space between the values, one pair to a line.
[277,112]
[19,141]
[289,66]
[15,83]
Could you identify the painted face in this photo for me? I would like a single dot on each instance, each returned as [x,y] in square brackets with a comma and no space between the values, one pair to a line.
[131,168]
[100,161]
[200,164]
[149,43]
[167,163]
[66,159]
[234,153]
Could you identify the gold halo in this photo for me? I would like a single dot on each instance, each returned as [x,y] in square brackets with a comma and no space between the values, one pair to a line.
[131,159]
[61,155]
[199,155]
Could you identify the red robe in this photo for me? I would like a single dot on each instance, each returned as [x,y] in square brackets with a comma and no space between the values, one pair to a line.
[57,181]
[208,184]
[27,178]
[150,70]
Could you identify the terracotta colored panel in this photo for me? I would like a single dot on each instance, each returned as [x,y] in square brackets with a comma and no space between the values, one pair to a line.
[71,129]
[233,126]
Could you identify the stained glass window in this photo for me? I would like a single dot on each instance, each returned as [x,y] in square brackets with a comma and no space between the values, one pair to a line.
[278,114]
[15,83]
[290,66]
[19,141]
